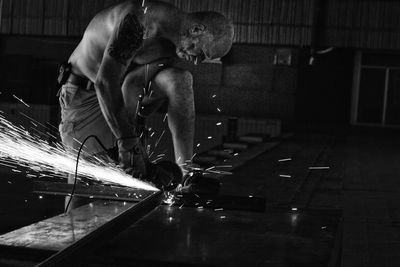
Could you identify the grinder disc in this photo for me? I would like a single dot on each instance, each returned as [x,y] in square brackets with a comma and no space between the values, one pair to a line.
[167,175]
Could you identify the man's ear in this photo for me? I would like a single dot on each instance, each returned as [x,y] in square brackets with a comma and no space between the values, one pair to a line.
[197,29]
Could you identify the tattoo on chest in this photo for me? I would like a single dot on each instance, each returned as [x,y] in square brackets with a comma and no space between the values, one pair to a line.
[127,39]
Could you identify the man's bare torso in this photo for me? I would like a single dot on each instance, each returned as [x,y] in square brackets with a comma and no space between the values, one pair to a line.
[87,57]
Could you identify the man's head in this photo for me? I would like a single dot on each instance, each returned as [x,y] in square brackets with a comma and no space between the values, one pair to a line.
[205,35]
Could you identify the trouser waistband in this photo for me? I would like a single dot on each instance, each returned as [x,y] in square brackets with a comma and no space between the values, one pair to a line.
[66,75]
[80,81]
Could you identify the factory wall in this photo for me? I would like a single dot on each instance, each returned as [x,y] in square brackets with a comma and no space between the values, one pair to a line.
[324,89]
[351,23]
[368,24]
[266,75]
[256,21]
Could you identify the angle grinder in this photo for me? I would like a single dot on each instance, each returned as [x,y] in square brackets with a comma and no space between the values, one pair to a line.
[165,175]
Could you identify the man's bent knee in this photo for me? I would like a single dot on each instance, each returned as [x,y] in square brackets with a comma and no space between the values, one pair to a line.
[175,78]
[174,87]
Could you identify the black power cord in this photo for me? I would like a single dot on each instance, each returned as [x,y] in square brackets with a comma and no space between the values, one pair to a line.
[77,163]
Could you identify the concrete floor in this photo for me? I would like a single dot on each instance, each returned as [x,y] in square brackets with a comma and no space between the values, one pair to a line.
[361,186]
[371,200]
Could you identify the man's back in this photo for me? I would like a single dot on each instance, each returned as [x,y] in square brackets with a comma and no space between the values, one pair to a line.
[87,57]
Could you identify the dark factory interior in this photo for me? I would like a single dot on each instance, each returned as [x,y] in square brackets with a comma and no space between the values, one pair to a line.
[294,147]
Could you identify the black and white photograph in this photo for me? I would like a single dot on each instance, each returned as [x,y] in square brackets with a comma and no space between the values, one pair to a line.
[199,133]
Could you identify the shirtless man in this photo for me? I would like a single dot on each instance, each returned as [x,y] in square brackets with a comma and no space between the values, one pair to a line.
[107,80]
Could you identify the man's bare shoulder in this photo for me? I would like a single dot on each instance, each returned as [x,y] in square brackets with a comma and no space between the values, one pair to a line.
[111,15]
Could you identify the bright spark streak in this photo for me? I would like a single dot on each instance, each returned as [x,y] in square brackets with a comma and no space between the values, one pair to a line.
[218,172]
[157,160]
[223,166]
[6,165]
[218,123]
[37,155]
[210,170]
[319,168]
[49,134]
[159,138]
[282,160]
[55,130]
[22,101]
[137,107]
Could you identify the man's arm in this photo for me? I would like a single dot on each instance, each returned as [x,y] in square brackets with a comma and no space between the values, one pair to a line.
[125,41]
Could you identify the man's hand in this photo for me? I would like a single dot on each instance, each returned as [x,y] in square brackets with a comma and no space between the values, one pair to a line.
[133,157]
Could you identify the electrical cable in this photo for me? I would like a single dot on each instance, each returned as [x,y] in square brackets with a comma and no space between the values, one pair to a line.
[77,163]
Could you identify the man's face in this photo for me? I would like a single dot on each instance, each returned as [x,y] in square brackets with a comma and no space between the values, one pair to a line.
[194,45]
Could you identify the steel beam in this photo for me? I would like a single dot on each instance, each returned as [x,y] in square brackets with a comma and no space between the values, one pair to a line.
[77,250]
[107,192]
[211,201]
